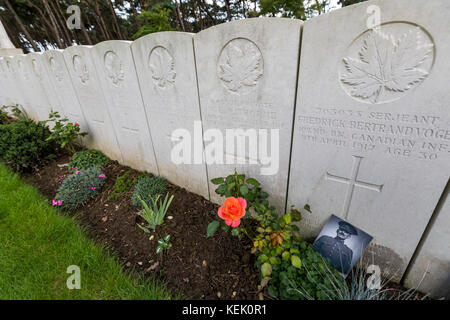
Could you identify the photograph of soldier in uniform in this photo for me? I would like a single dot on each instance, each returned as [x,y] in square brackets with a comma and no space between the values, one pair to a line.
[341,244]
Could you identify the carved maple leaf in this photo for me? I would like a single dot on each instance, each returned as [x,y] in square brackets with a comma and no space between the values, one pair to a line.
[114,68]
[386,64]
[162,67]
[241,67]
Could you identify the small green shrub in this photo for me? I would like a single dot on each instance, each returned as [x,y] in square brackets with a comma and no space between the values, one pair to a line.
[77,189]
[87,159]
[123,183]
[148,188]
[4,118]
[24,145]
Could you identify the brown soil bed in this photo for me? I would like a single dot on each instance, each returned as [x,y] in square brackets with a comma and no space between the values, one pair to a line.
[195,266]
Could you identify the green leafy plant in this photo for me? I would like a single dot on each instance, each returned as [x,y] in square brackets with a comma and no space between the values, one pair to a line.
[147,188]
[163,244]
[235,185]
[64,132]
[87,159]
[4,118]
[17,111]
[315,279]
[274,239]
[79,188]
[155,20]
[24,145]
[154,212]
[123,183]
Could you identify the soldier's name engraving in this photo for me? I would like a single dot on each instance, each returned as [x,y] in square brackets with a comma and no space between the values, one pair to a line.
[420,136]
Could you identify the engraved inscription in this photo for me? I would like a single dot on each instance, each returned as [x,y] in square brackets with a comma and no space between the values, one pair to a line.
[56,69]
[36,69]
[399,135]
[386,62]
[162,67]
[240,66]
[21,69]
[81,69]
[352,182]
[114,70]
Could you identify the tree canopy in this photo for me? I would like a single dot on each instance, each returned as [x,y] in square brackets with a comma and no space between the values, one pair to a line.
[37,25]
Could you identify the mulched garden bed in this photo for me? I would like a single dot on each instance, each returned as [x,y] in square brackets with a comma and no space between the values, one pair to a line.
[220,267]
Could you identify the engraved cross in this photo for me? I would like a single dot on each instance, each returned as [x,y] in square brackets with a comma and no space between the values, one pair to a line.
[352,182]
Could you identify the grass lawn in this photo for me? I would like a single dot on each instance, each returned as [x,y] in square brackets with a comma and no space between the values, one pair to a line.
[37,244]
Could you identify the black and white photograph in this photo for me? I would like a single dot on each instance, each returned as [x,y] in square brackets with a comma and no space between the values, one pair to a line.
[341,243]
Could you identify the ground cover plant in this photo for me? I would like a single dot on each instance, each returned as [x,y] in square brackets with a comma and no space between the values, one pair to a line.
[37,244]
[87,159]
[123,183]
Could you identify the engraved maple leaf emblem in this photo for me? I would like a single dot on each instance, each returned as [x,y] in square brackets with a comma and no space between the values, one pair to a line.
[162,67]
[385,64]
[114,70]
[241,65]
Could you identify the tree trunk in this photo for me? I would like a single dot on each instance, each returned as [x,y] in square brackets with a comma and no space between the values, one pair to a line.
[54,25]
[62,22]
[22,26]
[227,5]
[100,22]
[180,18]
[116,23]
[135,14]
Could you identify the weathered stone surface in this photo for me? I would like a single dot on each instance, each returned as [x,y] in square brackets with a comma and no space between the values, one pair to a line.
[430,270]
[166,71]
[372,129]
[247,73]
[117,76]
[33,97]
[39,73]
[64,91]
[7,85]
[87,87]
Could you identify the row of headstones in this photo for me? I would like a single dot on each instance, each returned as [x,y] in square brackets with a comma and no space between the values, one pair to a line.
[363,116]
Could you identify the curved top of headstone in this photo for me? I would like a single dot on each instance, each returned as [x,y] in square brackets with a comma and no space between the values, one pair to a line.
[5,43]
[162,34]
[272,22]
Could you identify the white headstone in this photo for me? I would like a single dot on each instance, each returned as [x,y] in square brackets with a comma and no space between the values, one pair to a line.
[430,270]
[6,94]
[117,75]
[166,69]
[87,87]
[62,83]
[42,80]
[34,98]
[247,73]
[372,129]
[13,83]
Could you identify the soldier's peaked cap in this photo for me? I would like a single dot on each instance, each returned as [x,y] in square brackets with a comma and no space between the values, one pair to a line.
[347,227]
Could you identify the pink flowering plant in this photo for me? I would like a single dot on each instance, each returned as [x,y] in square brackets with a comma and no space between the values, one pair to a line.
[78,188]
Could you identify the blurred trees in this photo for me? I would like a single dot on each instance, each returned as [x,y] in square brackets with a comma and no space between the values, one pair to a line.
[37,25]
